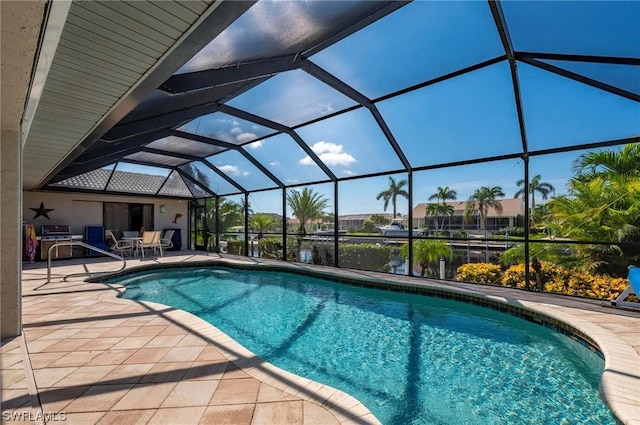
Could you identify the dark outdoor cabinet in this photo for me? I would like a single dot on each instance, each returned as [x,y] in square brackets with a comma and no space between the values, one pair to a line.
[94,235]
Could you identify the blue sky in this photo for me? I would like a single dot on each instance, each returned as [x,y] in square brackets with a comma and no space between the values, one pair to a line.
[473,115]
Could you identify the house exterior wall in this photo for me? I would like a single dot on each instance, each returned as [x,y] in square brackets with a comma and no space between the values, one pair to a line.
[512,208]
[79,210]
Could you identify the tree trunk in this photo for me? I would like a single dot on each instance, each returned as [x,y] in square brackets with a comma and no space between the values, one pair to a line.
[537,271]
[533,201]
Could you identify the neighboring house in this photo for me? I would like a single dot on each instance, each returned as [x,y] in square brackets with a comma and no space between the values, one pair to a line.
[355,221]
[345,222]
[511,209]
[293,224]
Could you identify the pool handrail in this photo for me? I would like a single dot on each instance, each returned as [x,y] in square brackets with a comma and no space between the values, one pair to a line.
[84,245]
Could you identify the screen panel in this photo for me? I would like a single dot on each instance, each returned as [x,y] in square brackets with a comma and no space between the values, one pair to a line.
[468,117]
[350,144]
[186,146]
[600,28]
[258,34]
[420,41]
[155,158]
[560,112]
[241,170]
[227,128]
[93,180]
[137,178]
[286,160]
[209,178]
[626,77]
[175,186]
[291,98]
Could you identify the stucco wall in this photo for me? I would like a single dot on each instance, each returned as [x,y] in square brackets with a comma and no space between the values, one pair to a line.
[80,210]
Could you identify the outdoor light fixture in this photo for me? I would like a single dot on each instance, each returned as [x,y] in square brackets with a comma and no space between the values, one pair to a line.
[163,209]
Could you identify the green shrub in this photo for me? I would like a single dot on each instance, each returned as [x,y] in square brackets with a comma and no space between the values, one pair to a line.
[270,247]
[371,257]
[479,273]
[514,275]
[561,280]
[513,231]
[368,256]
[235,247]
[368,226]
[322,254]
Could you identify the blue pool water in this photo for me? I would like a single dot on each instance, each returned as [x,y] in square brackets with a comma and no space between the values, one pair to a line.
[408,358]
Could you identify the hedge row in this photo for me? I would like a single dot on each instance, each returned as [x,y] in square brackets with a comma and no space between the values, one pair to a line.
[556,279]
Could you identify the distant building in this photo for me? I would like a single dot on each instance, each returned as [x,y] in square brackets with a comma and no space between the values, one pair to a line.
[345,222]
[511,209]
[355,221]
[293,224]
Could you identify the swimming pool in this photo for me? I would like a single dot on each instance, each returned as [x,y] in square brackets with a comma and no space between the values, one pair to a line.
[408,358]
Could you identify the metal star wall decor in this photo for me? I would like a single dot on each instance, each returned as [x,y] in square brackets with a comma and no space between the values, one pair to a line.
[42,211]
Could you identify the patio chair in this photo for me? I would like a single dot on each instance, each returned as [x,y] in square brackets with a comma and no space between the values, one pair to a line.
[166,242]
[632,289]
[121,247]
[150,239]
[130,234]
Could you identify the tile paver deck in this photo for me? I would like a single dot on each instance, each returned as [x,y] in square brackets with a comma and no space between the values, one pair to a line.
[99,359]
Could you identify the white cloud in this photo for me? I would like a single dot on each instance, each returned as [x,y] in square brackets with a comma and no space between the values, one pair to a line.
[349,172]
[326,147]
[245,137]
[274,163]
[235,130]
[234,170]
[231,169]
[292,181]
[330,154]
[325,108]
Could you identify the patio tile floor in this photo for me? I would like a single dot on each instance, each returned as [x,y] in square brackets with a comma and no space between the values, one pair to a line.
[100,359]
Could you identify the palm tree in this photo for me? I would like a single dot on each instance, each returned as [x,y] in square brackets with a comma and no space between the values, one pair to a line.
[392,193]
[541,217]
[602,204]
[262,223]
[537,252]
[248,206]
[608,163]
[444,194]
[481,200]
[230,214]
[427,252]
[306,205]
[535,185]
[438,210]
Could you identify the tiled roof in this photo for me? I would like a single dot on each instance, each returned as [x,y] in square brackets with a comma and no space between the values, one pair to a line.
[96,179]
[362,217]
[126,181]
